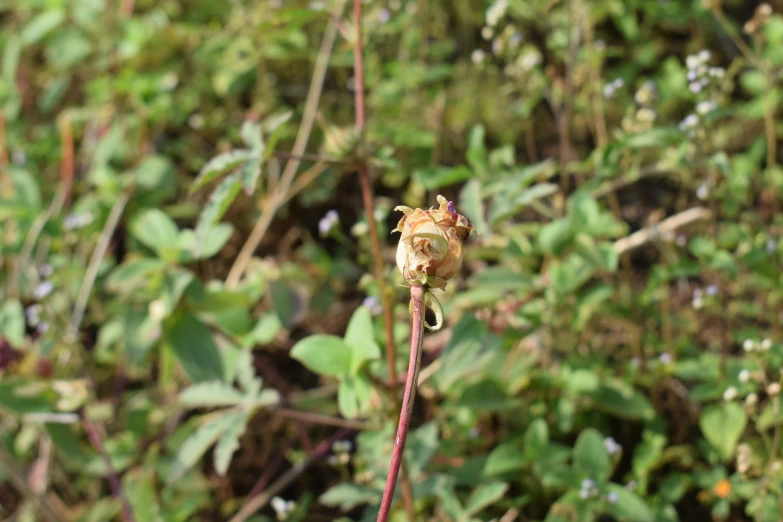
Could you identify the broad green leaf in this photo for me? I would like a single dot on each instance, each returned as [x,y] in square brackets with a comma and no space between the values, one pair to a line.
[347,496]
[555,235]
[506,458]
[477,155]
[436,177]
[472,205]
[211,394]
[360,337]
[41,25]
[629,506]
[195,348]
[590,456]
[324,354]
[133,273]
[229,441]
[484,496]
[138,484]
[155,229]
[221,164]
[285,301]
[252,136]
[194,447]
[622,400]
[13,323]
[536,439]
[216,206]
[353,395]
[722,425]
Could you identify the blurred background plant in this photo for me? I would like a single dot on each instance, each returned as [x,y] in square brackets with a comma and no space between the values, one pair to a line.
[192,325]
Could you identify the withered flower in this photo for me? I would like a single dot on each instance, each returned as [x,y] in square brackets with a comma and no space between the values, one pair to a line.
[430,248]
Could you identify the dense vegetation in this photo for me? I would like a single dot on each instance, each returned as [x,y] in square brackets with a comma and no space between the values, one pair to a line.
[192,322]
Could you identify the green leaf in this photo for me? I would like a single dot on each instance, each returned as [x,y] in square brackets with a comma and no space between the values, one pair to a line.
[155,229]
[629,506]
[43,24]
[324,354]
[229,441]
[210,394]
[555,235]
[484,496]
[536,439]
[472,205]
[506,458]
[285,301]
[216,206]
[194,447]
[590,456]
[722,425]
[436,177]
[133,273]
[221,164]
[477,152]
[195,348]
[360,337]
[505,206]
[347,496]
[13,323]
[622,400]
[209,243]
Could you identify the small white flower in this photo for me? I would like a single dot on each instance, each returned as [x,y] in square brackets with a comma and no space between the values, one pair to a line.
[327,223]
[689,122]
[705,55]
[282,507]
[717,72]
[477,56]
[730,394]
[496,11]
[691,61]
[773,389]
[766,344]
[612,498]
[157,310]
[691,75]
[705,107]
[744,376]
[665,358]
[695,87]
[42,290]
[749,345]
[752,399]
[703,192]
[712,290]
[612,447]
[487,33]
[33,314]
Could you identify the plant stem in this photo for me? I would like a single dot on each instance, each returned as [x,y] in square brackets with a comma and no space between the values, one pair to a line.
[259,501]
[417,331]
[114,480]
[367,201]
[302,137]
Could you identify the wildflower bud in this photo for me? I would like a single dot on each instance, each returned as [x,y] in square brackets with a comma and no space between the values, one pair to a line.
[430,248]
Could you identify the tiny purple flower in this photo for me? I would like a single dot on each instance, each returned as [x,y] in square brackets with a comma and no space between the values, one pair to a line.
[42,290]
[612,498]
[327,223]
[612,447]
[373,305]
[712,290]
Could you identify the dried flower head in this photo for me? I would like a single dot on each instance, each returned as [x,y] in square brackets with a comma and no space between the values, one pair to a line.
[430,248]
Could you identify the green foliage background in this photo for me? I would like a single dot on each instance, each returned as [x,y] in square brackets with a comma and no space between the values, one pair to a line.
[612,346]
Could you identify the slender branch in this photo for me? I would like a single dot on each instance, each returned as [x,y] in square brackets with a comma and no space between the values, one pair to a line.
[66,156]
[367,201]
[667,226]
[317,418]
[302,137]
[50,506]
[114,480]
[417,331]
[95,263]
[260,500]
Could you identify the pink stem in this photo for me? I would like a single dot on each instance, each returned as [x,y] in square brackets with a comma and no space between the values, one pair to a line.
[417,330]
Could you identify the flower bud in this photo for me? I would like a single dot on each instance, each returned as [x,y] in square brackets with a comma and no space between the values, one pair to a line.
[430,248]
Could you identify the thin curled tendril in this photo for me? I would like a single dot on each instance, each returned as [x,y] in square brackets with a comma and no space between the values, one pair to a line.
[433,304]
